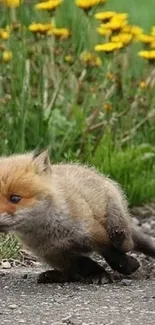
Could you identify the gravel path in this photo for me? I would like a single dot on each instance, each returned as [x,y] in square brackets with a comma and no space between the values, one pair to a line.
[22,301]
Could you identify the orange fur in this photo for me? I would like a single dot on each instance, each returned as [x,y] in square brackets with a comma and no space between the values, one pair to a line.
[17,176]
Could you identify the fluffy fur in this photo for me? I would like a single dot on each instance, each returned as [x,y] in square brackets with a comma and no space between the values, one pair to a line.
[67,211]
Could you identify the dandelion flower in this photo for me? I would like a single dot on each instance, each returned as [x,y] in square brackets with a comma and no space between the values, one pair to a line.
[4,34]
[61,33]
[152,45]
[115,24]
[12,3]
[88,4]
[68,58]
[133,29]
[153,31]
[142,84]
[107,107]
[124,38]
[7,56]
[149,55]
[105,15]
[48,5]
[90,59]
[121,16]
[110,76]
[103,31]
[146,38]
[40,28]
[108,47]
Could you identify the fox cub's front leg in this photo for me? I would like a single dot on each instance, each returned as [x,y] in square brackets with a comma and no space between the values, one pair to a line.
[77,268]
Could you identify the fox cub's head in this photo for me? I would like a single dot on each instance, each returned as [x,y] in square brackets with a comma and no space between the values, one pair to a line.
[24,182]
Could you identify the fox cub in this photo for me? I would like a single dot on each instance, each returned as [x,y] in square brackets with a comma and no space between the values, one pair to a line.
[63,213]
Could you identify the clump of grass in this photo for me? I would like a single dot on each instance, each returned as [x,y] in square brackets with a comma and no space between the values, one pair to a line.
[132,167]
[9,247]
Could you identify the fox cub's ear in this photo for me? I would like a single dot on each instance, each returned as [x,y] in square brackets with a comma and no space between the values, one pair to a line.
[41,161]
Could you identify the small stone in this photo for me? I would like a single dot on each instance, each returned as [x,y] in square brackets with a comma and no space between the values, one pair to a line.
[13,306]
[22,321]
[126,282]
[70,320]
[135,221]
[25,276]
[5,265]
[2,274]
[146,226]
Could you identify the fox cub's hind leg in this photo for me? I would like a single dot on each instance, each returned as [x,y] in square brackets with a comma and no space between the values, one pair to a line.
[78,268]
[120,234]
[118,228]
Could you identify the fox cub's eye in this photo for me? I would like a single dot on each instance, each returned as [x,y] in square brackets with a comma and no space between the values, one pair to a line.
[15,199]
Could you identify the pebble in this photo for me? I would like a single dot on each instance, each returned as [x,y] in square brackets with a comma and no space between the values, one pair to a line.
[5,265]
[126,282]
[22,321]
[13,306]
[146,226]
[135,221]
[2,274]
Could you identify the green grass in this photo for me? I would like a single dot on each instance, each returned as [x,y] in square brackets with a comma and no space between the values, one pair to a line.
[48,102]
[9,247]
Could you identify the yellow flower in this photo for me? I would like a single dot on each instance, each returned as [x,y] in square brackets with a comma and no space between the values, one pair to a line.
[108,47]
[123,38]
[4,34]
[152,45]
[61,33]
[90,59]
[12,3]
[115,24]
[40,28]
[103,31]
[87,4]
[107,107]
[132,29]
[7,56]
[110,76]
[146,38]
[104,15]
[68,58]
[149,55]
[142,84]
[48,5]
[153,31]
[121,16]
